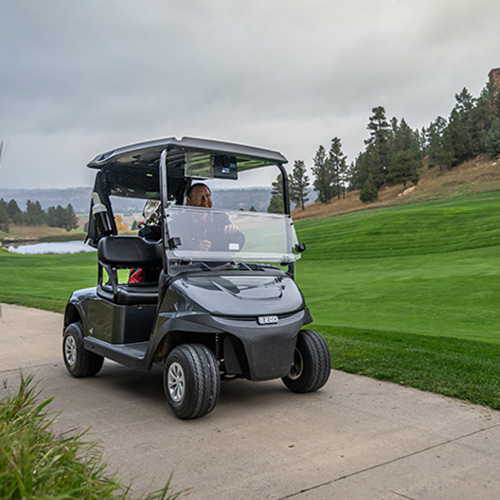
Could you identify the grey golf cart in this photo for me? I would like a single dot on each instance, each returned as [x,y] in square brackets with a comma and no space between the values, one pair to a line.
[206,313]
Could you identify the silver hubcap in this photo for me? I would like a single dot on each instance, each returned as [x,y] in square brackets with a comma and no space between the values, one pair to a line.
[176,381]
[297,367]
[70,350]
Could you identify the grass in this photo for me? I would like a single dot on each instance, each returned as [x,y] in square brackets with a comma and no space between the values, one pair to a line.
[453,367]
[406,293]
[431,268]
[45,281]
[35,463]
[42,233]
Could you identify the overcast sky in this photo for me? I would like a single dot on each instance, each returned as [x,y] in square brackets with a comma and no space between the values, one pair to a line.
[78,78]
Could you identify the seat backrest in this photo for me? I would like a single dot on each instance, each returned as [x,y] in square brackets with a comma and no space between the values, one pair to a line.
[129,251]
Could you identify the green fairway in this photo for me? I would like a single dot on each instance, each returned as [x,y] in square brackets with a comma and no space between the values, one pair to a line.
[431,268]
[45,281]
[409,294]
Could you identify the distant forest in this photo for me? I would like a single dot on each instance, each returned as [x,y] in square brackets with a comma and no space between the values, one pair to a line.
[34,215]
[394,152]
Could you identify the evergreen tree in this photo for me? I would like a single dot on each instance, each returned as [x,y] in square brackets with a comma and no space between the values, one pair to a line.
[369,191]
[323,176]
[35,216]
[403,168]
[60,216]
[337,163]
[378,146]
[440,153]
[276,204]
[405,157]
[4,217]
[15,213]
[51,217]
[71,219]
[299,184]
[492,142]
[482,116]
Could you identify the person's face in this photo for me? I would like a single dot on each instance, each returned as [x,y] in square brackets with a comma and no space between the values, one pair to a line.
[200,197]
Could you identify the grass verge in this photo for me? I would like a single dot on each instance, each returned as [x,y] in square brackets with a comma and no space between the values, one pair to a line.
[452,367]
[37,464]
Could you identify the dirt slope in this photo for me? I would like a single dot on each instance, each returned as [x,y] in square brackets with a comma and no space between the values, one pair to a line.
[476,176]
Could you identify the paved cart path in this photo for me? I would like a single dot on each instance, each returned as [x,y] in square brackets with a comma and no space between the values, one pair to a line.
[357,438]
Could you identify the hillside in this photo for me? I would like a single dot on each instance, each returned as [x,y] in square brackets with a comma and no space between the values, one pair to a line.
[476,176]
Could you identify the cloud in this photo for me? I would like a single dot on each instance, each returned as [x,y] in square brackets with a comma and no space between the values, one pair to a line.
[79,78]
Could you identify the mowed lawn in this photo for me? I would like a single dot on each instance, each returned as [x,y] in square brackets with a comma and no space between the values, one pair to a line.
[431,269]
[45,281]
[409,294]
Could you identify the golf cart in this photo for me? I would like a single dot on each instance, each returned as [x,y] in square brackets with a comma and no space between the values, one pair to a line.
[206,313]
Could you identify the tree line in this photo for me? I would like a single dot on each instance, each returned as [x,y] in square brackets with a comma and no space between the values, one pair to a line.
[34,215]
[394,151]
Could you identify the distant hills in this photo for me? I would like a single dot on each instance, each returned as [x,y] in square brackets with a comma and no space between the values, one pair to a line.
[78,197]
[80,200]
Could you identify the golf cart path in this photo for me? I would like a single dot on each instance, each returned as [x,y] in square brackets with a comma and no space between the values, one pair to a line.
[356,438]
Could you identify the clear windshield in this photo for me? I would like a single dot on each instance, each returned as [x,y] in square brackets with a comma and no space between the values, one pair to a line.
[201,234]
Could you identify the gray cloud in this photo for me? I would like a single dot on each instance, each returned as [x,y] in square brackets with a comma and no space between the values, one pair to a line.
[78,78]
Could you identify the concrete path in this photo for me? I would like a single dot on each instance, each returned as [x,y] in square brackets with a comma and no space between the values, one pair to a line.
[356,438]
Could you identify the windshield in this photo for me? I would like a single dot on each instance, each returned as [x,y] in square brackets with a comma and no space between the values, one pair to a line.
[202,234]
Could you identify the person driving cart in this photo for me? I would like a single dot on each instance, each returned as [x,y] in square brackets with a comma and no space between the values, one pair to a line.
[205,231]
[211,231]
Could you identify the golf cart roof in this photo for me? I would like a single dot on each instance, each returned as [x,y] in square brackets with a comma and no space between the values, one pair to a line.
[147,154]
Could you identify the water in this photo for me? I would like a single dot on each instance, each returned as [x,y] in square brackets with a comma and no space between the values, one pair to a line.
[52,247]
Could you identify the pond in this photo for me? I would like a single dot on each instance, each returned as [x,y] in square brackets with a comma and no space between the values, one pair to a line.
[51,247]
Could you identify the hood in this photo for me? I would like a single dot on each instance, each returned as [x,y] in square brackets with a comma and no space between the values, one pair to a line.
[242,295]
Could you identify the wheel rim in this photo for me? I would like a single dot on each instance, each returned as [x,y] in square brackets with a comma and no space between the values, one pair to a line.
[70,350]
[297,367]
[176,382]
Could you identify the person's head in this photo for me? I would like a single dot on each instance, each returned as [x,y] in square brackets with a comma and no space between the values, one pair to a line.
[199,195]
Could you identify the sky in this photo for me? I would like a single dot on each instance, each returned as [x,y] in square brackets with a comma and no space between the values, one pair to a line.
[78,78]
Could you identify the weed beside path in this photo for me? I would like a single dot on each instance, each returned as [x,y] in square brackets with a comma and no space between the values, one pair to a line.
[36,463]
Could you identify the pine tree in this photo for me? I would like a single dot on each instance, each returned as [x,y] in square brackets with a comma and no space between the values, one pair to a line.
[35,216]
[323,177]
[15,213]
[337,162]
[71,219]
[492,142]
[378,146]
[276,204]
[405,157]
[299,184]
[369,191]
[4,217]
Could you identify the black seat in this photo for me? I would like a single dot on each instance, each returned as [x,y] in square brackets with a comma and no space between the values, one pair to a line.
[126,252]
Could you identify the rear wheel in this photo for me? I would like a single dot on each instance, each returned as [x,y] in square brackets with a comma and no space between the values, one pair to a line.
[78,361]
[191,380]
[311,365]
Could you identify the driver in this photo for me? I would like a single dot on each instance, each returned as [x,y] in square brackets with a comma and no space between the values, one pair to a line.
[199,195]
[220,229]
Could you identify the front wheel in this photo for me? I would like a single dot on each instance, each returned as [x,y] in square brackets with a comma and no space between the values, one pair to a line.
[191,380]
[311,364]
[78,361]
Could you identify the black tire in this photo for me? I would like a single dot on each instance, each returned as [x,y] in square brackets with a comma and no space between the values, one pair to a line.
[312,363]
[78,361]
[191,380]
